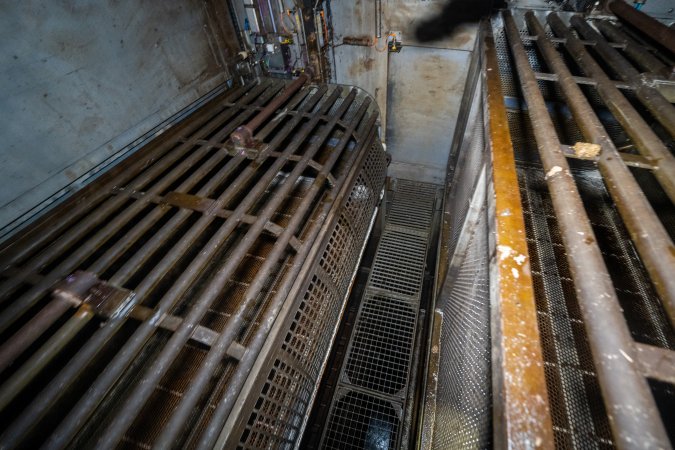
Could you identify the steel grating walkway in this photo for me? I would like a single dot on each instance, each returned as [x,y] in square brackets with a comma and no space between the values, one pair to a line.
[369,403]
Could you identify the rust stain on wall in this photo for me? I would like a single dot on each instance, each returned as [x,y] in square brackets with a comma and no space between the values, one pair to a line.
[361,65]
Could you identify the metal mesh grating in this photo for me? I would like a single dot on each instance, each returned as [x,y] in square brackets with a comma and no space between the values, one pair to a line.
[467,174]
[399,264]
[578,413]
[240,265]
[463,396]
[277,417]
[366,410]
[362,421]
[380,355]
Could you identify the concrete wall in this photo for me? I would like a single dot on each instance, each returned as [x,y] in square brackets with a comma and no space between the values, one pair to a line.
[419,89]
[81,80]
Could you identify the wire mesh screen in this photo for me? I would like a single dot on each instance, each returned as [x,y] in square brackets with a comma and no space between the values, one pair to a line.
[463,385]
[468,167]
[277,417]
[577,409]
[578,413]
[367,409]
[362,421]
[463,396]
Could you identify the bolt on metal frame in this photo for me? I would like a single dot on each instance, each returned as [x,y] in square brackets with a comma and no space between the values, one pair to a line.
[622,365]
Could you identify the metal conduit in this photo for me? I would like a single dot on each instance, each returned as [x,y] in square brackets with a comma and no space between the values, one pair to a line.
[627,397]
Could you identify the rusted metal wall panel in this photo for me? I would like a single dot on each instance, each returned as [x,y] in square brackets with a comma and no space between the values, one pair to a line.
[425,92]
[81,80]
[418,90]
[364,67]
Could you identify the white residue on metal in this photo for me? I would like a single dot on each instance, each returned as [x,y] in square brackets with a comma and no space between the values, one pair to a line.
[554,170]
[630,360]
[504,251]
[280,115]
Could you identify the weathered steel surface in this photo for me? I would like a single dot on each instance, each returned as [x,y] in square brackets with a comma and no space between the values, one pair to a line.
[659,32]
[626,394]
[522,416]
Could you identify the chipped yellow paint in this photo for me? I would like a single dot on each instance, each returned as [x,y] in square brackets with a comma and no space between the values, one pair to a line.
[524,416]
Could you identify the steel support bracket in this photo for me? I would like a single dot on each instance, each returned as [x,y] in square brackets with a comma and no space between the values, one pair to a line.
[83,287]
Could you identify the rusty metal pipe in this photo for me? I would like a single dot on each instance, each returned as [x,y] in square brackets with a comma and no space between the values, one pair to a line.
[661,108]
[656,31]
[160,237]
[32,330]
[32,368]
[113,203]
[646,230]
[190,398]
[648,143]
[360,41]
[626,394]
[26,243]
[86,406]
[162,363]
[643,58]
[28,299]
[243,135]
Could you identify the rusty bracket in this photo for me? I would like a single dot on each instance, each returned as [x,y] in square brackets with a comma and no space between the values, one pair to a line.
[251,149]
[106,300]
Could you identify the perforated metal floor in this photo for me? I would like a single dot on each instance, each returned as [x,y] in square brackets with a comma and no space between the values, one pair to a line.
[367,410]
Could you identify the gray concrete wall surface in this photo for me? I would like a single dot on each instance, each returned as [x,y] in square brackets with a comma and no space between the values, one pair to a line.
[81,80]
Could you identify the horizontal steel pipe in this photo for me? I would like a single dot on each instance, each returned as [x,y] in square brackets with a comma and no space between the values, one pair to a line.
[42,357]
[161,364]
[27,300]
[32,330]
[648,143]
[661,108]
[86,406]
[244,134]
[646,230]
[636,52]
[47,228]
[657,31]
[31,416]
[182,413]
[243,370]
[626,394]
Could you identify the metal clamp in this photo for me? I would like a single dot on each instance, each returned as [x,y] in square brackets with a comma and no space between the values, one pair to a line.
[83,287]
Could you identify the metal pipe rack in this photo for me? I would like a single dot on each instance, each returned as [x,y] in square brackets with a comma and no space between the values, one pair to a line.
[618,359]
[137,311]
